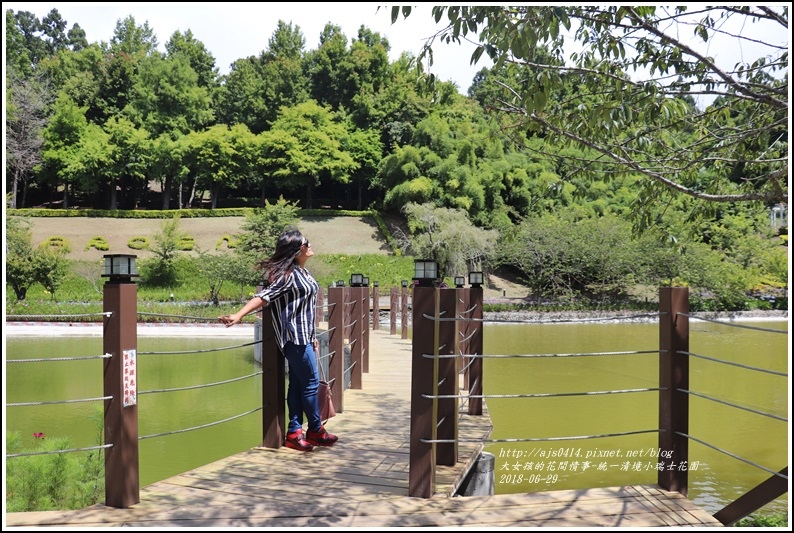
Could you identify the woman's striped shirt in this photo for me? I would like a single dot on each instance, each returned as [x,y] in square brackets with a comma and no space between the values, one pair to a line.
[293,306]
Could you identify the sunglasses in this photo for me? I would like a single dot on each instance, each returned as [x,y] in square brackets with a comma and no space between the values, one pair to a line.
[306,244]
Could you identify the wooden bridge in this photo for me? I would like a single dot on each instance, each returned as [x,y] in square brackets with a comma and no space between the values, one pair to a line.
[362,481]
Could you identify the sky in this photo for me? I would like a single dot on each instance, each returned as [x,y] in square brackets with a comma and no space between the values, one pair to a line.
[234,30]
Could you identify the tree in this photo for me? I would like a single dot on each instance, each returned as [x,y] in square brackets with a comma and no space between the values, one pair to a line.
[637,77]
[447,236]
[51,268]
[27,102]
[313,150]
[161,270]
[262,228]
[20,267]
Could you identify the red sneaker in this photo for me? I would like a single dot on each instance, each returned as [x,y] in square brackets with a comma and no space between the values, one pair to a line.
[296,441]
[320,438]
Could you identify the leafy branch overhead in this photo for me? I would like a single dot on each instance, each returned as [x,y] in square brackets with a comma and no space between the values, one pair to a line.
[628,84]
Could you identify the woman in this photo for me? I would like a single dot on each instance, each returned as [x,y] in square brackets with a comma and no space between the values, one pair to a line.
[291,293]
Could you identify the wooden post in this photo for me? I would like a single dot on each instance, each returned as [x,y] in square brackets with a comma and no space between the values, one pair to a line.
[319,316]
[447,452]
[365,330]
[120,339]
[274,421]
[393,306]
[353,303]
[375,306]
[674,375]
[424,375]
[404,308]
[475,349]
[464,329]
[336,346]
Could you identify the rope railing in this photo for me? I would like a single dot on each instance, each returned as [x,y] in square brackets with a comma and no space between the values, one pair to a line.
[731,363]
[543,395]
[60,317]
[467,365]
[188,317]
[541,439]
[731,324]
[69,450]
[747,461]
[731,404]
[199,427]
[556,321]
[204,385]
[349,368]
[533,355]
[468,338]
[54,402]
[207,350]
[48,359]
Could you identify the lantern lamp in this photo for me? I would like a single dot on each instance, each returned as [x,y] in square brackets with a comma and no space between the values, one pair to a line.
[120,267]
[475,279]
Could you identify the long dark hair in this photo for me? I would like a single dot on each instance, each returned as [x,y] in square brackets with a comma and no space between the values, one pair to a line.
[280,264]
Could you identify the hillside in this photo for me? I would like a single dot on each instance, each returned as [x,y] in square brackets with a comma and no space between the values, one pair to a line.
[328,235]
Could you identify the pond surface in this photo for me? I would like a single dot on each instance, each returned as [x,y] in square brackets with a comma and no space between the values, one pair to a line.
[175,440]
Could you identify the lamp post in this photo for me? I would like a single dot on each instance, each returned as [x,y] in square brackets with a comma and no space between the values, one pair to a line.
[459,282]
[475,279]
[356,280]
[120,305]
[425,272]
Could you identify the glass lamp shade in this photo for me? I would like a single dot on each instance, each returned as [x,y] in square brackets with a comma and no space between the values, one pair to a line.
[475,279]
[120,266]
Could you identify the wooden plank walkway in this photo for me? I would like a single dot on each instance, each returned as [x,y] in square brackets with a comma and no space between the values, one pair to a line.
[362,481]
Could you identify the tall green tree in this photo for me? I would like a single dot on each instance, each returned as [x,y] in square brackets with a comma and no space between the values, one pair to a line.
[646,75]
[197,55]
[257,88]
[310,145]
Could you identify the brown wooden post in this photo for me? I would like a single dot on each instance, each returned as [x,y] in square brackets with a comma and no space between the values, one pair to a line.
[393,307]
[320,315]
[447,452]
[353,303]
[336,346]
[274,421]
[475,349]
[404,308]
[673,379]
[375,306]
[464,328]
[365,329]
[422,463]
[120,340]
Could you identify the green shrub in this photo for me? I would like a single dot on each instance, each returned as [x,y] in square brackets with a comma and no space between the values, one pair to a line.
[230,242]
[99,243]
[770,520]
[57,244]
[138,243]
[186,244]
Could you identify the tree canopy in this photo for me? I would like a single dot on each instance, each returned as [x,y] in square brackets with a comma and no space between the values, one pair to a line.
[628,94]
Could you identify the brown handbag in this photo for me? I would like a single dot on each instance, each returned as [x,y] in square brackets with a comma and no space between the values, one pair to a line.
[324,398]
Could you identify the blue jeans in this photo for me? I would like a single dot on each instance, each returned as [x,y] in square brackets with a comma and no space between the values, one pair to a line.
[302,388]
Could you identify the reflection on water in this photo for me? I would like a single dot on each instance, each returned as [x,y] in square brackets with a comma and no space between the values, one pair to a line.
[171,447]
